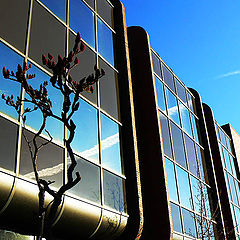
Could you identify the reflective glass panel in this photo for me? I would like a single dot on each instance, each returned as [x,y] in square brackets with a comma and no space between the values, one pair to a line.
[197,193]
[8,137]
[114,192]
[217,130]
[191,155]
[160,95]
[168,78]
[196,130]
[183,187]
[172,189]
[110,144]
[89,186]
[228,141]
[227,160]
[105,10]
[81,20]
[237,213]
[237,188]
[233,165]
[223,139]
[58,7]
[85,142]
[186,123]
[165,135]
[178,146]
[177,225]
[189,223]
[227,183]
[105,42]
[190,101]
[50,160]
[201,161]
[34,119]
[181,91]
[221,153]
[9,60]
[233,189]
[156,65]
[172,107]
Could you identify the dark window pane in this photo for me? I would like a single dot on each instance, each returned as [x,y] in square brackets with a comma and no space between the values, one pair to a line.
[177,225]
[87,61]
[47,35]
[58,7]
[91,3]
[196,130]
[165,135]
[50,160]
[178,146]
[183,188]
[34,119]
[160,95]
[110,144]
[233,189]
[109,100]
[172,107]
[189,223]
[172,189]
[223,139]
[227,160]
[237,213]
[89,186]
[181,91]
[82,20]
[221,153]
[114,192]
[156,65]
[202,164]
[197,194]
[13,18]
[191,155]
[8,235]
[228,186]
[85,142]
[191,103]
[105,41]
[228,141]
[233,165]
[237,188]
[217,130]
[168,78]
[8,137]
[186,123]
[10,60]
[105,10]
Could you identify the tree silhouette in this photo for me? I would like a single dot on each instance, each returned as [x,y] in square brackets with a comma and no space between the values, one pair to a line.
[40,101]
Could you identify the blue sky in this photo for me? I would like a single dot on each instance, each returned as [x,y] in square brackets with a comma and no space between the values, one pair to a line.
[200,41]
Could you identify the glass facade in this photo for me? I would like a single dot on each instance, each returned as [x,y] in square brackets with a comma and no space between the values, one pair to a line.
[231,173]
[50,27]
[184,159]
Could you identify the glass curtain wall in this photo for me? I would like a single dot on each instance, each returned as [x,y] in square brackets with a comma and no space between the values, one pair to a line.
[187,180]
[50,27]
[231,173]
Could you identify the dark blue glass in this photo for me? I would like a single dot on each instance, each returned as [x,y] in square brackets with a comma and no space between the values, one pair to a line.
[58,7]
[156,65]
[82,20]
[34,119]
[85,142]
[189,223]
[160,95]
[177,224]
[10,60]
[105,41]
[110,144]
[168,78]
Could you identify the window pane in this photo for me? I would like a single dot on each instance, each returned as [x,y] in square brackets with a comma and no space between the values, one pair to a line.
[221,153]
[237,211]
[105,10]
[50,161]
[8,137]
[165,135]
[191,155]
[197,194]
[228,186]
[114,192]
[9,60]
[110,144]
[85,142]
[190,102]
[233,190]
[181,91]
[168,78]
[227,160]
[105,42]
[196,130]
[217,130]
[186,123]
[89,186]
[81,20]
[184,189]
[160,95]
[156,65]
[202,164]
[223,139]
[233,165]
[34,119]
[189,223]
[178,146]
[177,225]
[58,7]
[172,107]
[172,189]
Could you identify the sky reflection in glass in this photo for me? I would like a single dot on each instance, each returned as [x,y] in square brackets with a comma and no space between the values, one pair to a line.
[177,225]
[186,123]
[189,223]
[10,60]
[160,95]
[110,144]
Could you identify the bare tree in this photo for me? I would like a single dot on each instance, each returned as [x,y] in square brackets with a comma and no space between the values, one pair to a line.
[40,101]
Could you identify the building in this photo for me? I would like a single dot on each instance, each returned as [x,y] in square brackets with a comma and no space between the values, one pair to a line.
[154,162]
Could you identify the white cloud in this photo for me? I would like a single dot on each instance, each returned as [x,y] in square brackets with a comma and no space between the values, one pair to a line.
[237,72]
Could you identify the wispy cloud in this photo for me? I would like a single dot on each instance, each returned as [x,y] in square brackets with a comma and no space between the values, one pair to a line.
[237,72]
